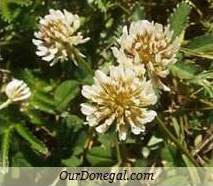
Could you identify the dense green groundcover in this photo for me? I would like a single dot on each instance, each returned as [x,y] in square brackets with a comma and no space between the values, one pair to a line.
[49,129]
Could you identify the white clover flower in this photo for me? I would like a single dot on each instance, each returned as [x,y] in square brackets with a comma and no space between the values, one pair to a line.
[120,98]
[17,90]
[57,38]
[150,44]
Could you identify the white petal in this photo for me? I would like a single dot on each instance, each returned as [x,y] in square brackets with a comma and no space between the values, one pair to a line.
[136,129]
[87,109]
[22,98]
[43,48]
[100,77]
[41,53]
[17,90]
[37,35]
[148,116]
[122,133]
[92,120]
[37,42]
[53,50]
[102,128]
[88,91]
[48,57]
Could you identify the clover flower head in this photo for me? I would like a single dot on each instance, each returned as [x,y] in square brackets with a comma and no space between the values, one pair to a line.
[150,44]
[17,90]
[57,37]
[120,98]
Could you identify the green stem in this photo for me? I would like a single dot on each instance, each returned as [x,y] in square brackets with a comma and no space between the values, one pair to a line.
[170,135]
[120,6]
[190,52]
[5,104]
[85,65]
[5,147]
[118,151]
[82,63]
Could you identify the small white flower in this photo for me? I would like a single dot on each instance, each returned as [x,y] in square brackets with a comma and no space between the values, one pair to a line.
[149,44]
[120,98]
[17,90]
[57,37]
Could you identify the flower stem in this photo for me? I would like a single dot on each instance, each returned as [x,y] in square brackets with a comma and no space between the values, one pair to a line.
[82,63]
[170,135]
[85,65]
[5,104]
[118,151]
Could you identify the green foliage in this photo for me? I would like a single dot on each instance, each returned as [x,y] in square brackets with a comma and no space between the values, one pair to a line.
[65,92]
[100,4]
[100,156]
[35,117]
[184,70]
[72,162]
[189,72]
[73,121]
[5,146]
[179,19]
[175,180]
[192,171]
[49,128]
[200,46]
[8,13]
[138,12]
[40,102]
[34,142]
